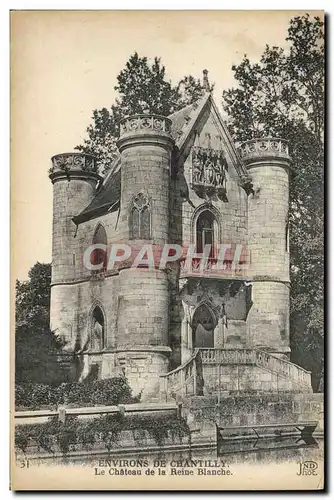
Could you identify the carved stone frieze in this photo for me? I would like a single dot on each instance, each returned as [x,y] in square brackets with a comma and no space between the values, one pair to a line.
[145,122]
[67,162]
[267,147]
[208,175]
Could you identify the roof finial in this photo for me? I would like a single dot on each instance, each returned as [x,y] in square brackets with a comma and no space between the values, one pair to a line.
[206,83]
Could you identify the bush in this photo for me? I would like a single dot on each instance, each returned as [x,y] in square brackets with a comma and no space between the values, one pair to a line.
[112,391]
[107,428]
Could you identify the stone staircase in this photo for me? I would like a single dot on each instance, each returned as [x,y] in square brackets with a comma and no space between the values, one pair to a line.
[211,371]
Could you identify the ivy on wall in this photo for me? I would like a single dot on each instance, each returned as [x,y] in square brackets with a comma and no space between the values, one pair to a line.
[104,430]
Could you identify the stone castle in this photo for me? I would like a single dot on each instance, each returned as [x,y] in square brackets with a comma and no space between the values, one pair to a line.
[177,330]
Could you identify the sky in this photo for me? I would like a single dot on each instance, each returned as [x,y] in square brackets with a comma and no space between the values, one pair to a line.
[64,65]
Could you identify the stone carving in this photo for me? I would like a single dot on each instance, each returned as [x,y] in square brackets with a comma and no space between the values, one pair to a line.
[97,336]
[140,201]
[264,147]
[209,167]
[73,161]
[145,122]
[188,311]
[246,183]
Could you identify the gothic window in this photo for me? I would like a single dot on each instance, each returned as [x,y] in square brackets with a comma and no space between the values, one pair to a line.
[287,236]
[205,229]
[140,219]
[98,255]
[97,331]
[203,326]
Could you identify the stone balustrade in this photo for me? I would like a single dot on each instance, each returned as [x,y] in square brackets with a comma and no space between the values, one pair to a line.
[188,379]
[228,356]
[284,368]
[268,147]
[183,380]
[213,268]
[145,123]
[73,161]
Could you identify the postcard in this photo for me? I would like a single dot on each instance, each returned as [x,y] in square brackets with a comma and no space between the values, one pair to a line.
[167,194]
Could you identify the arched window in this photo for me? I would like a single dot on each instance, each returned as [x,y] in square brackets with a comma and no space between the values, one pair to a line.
[98,255]
[97,330]
[140,218]
[203,325]
[205,232]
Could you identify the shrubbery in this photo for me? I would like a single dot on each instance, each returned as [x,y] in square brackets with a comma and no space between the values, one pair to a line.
[112,391]
[105,430]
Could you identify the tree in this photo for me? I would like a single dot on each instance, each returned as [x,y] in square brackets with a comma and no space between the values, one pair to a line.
[190,90]
[37,349]
[33,296]
[283,96]
[142,87]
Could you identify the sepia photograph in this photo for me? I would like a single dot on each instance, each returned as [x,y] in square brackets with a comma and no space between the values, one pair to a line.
[167,250]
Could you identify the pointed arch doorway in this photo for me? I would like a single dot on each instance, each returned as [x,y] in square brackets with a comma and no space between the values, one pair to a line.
[203,325]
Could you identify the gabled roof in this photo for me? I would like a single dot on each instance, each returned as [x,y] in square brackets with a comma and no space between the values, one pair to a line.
[187,132]
[183,129]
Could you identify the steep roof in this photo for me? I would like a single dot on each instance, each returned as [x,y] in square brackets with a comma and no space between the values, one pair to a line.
[106,200]
[179,119]
[184,123]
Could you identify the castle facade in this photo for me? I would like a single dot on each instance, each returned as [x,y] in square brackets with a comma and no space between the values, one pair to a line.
[178,180]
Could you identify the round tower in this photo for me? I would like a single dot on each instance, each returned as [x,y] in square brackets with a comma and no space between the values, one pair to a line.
[268,163]
[145,145]
[74,177]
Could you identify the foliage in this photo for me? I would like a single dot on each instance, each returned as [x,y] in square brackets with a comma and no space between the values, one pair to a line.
[142,87]
[47,436]
[190,90]
[283,96]
[112,391]
[104,429]
[102,136]
[33,296]
[37,349]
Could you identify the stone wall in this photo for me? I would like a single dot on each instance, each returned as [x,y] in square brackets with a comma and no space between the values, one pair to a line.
[69,198]
[142,367]
[146,169]
[84,239]
[267,220]
[72,306]
[203,412]
[268,320]
[142,308]
[244,378]
[142,326]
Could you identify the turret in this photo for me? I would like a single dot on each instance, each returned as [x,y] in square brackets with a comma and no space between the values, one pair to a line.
[268,162]
[74,177]
[145,145]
